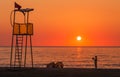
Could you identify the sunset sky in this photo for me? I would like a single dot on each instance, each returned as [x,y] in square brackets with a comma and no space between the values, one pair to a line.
[59,22]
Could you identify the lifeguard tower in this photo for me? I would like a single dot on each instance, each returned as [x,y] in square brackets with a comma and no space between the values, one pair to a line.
[21,36]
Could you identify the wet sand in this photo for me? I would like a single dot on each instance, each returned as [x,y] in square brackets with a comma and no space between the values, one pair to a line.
[65,72]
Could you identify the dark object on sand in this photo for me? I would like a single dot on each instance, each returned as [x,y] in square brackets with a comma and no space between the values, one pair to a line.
[59,65]
[95,61]
[51,65]
[55,65]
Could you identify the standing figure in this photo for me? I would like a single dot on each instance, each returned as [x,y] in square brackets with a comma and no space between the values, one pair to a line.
[95,61]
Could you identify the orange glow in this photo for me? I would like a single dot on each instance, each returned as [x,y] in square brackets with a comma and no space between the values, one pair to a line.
[58,22]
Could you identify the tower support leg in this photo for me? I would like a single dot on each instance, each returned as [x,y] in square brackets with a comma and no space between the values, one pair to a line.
[11,51]
[31,50]
[25,51]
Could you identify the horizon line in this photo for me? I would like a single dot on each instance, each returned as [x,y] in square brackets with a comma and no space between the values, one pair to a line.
[66,46]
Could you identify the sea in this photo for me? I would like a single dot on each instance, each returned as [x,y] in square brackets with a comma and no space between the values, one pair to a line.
[71,56]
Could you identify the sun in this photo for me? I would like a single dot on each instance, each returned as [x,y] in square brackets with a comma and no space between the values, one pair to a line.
[78,38]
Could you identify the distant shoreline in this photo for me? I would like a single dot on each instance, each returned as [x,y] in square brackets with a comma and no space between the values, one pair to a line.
[77,46]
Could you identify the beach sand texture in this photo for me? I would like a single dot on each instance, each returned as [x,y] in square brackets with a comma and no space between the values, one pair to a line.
[54,72]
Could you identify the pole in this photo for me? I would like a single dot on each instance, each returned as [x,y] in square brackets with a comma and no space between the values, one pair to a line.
[25,52]
[27,21]
[31,50]
[12,40]
[11,51]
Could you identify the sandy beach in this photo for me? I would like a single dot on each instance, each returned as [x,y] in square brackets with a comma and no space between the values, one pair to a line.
[65,72]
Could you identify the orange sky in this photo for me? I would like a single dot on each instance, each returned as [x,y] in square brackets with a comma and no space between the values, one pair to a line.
[58,22]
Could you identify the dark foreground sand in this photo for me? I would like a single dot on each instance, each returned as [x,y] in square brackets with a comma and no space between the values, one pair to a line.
[65,72]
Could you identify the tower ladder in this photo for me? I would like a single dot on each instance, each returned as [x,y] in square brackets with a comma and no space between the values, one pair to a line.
[18,51]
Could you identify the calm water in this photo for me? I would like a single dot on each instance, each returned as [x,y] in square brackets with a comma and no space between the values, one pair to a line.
[75,57]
